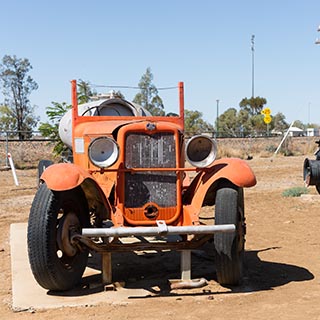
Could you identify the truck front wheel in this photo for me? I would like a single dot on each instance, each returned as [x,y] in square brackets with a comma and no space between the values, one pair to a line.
[229,247]
[56,263]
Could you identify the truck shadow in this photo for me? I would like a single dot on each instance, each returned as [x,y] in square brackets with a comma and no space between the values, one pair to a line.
[152,271]
[263,275]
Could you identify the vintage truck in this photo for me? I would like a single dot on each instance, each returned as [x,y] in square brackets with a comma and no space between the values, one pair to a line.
[129,179]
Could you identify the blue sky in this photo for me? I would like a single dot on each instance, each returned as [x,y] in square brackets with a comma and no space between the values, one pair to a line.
[206,44]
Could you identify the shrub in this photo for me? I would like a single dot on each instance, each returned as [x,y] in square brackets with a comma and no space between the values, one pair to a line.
[295,192]
[271,148]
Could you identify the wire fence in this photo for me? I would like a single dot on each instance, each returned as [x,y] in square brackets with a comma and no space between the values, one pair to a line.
[26,147]
[22,136]
[29,151]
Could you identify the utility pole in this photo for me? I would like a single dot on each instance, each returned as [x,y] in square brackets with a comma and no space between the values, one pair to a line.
[318,40]
[252,51]
[217,120]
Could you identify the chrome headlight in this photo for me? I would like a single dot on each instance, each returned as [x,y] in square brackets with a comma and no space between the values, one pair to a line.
[103,152]
[201,151]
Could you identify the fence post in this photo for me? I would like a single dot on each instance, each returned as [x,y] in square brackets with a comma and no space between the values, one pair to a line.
[7,149]
[13,169]
[284,137]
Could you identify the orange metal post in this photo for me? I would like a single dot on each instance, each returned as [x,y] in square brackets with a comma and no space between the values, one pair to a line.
[181,102]
[74,101]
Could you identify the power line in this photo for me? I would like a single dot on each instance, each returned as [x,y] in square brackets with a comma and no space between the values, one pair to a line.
[167,88]
[129,87]
[113,87]
[252,49]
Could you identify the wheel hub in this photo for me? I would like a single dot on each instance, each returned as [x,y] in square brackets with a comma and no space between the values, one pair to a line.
[68,226]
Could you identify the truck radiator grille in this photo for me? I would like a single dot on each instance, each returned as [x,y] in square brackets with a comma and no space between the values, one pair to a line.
[150,151]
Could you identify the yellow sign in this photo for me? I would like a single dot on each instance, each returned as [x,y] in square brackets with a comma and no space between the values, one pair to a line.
[267,119]
[266,111]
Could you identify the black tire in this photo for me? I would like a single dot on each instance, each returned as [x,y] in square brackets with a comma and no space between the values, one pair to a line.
[53,268]
[43,165]
[229,247]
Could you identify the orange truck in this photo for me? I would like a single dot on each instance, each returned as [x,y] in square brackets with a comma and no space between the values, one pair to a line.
[129,178]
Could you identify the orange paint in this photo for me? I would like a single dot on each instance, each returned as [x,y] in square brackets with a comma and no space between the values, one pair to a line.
[109,183]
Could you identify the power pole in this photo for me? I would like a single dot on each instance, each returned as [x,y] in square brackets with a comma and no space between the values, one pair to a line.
[217,120]
[318,40]
[252,51]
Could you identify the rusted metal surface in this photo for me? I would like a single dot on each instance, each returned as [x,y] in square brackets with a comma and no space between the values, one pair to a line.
[141,246]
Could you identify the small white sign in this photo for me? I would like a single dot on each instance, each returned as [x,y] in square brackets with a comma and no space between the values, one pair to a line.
[78,145]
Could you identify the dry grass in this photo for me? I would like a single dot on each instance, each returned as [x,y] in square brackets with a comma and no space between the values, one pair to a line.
[26,154]
[265,147]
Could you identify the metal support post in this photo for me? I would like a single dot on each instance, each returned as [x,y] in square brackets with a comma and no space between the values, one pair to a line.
[185,265]
[106,268]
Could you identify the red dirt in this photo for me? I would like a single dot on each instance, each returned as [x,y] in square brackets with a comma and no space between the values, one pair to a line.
[282,258]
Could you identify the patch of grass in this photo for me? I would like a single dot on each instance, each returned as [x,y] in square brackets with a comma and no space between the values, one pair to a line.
[270,148]
[225,151]
[295,192]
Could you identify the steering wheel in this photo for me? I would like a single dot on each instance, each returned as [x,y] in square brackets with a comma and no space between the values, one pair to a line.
[91,108]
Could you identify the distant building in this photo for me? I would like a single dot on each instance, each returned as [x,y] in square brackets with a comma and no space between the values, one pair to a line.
[313,132]
[276,133]
[296,132]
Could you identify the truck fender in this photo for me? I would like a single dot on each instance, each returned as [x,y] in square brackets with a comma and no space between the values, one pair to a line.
[67,176]
[233,169]
[64,176]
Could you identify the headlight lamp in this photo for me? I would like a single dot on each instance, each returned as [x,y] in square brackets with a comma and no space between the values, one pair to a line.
[103,152]
[201,151]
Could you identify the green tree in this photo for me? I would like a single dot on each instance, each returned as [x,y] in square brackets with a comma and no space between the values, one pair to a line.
[56,112]
[253,105]
[148,96]
[51,129]
[279,123]
[313,125]
[244,122]
[17,87]
[7,121]
[258,124]
[194,124]
[85,92]
[228,123]
[300,124]
[233,123]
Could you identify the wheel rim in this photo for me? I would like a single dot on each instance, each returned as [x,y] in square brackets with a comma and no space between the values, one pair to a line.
[68,225]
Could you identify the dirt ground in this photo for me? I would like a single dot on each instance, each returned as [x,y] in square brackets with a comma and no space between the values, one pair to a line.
[282,261]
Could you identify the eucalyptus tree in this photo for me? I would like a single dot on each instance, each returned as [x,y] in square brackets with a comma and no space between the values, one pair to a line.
[148,96]
[195,124]
[253,105]
[17,87]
